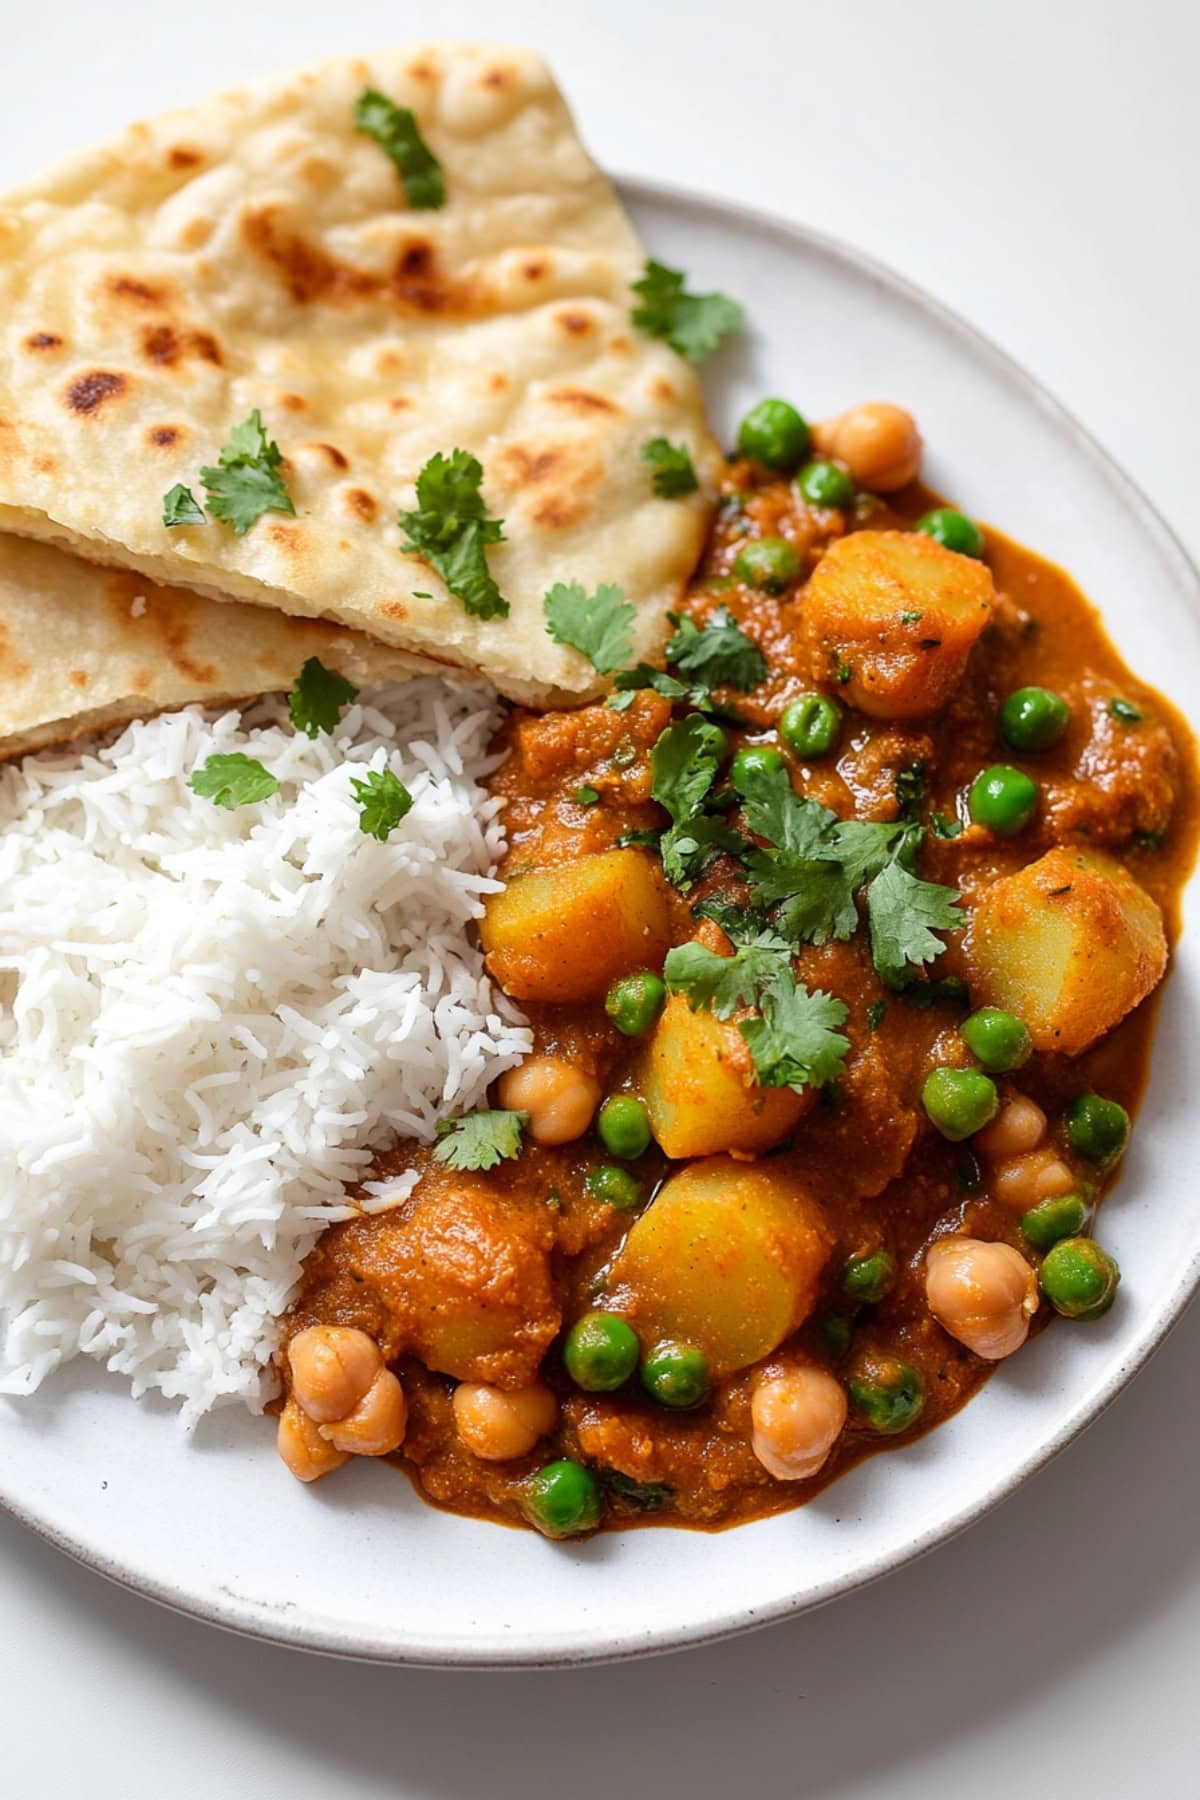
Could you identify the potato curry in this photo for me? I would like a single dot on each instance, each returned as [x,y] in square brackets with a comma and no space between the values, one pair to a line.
[838,935]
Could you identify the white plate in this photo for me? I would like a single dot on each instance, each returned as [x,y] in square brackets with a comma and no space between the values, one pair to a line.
[361,1567]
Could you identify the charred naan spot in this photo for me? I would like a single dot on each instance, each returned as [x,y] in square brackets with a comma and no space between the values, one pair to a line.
[139,293]
[361,503]
[398,403]
[565,478]
[393,609]
[43,340]
[535,270]
[389,362]
[333,454]
[141,681]
[291,402]
[582,400]
[182,156]
[88,393]
[77,677]
[661,388]
[11,667]
[319,173]
[307,272]
[163,346]
[196,232]
[163,435]
[621,346]
[575,322]
[289,537]
[45,464]
[498,383]
[423,72]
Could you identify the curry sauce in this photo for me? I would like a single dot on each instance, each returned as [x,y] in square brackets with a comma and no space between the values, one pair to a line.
[479,1273]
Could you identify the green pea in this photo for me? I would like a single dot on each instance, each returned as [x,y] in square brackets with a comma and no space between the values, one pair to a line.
[769,564]
[1003,798]
[997,1040]
[676,1375]
[623,1126]
[1050,1220]
[1079,1279]
[947,526]
[959,1102]
[890,1394]
[825,483]
[634,1002]
[809,726]
[755,759]
[616,1187]
[868,1278]
[562,1500]
[1097,1128]
[773,432]
[601,1352]
[1033,718]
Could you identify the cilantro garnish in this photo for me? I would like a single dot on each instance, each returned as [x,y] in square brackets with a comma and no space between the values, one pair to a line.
[315,703]
[180,507]
[598,624]
[794,1041]
[1126,711]
[382,800]
[673,475]
[943,827]
[232,780]
[808,875]
[910,789]
[480,1140]
[693,324]
[586,795]
[646,1496]
[904,913]
[247,483]
[398,135]
[450,530]
[683,767]
[717,652]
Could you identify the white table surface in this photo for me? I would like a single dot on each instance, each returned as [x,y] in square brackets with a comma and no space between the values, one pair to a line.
[1038,168]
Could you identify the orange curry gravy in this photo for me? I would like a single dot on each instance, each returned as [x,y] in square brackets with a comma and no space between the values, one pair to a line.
[528,1249]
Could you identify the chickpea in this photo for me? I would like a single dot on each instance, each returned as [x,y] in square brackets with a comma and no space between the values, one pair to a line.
[497,1426]
[376,1426]
[307,1454]
[1020,1125]
[797,1418]
[878,442]
[332,1368]
[1022,1182]
[982,1294]
[559,1098]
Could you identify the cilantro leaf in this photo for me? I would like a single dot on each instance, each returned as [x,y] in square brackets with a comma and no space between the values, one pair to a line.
[720,984]
[642,675]
[717,652]
[693,324]
[646,1496]
[480,1140]
[180,508]
[450,530]
[684,764]
[774,810]
[246,482]
[232,780]
[688,847]
[796,1042]
[316,701]
[904,913]
[398,135]
[597,624]
[382,801]
[673,475]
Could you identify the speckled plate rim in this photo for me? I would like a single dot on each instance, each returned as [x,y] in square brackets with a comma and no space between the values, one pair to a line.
[330,1638]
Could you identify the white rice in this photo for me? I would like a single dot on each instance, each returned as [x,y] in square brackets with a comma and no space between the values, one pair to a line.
[210,1020]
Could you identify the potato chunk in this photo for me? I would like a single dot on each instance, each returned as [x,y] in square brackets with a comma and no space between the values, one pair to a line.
[901,614]
[697,1080]
[566,933]
[728,1258]
[1069,944]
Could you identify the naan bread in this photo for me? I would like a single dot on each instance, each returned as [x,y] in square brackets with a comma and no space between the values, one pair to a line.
[83,648]
[256,251]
